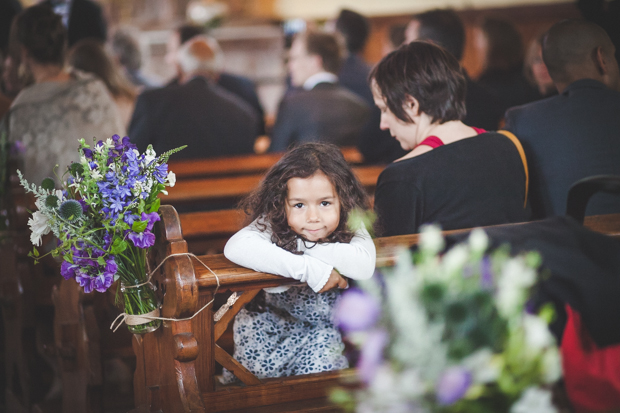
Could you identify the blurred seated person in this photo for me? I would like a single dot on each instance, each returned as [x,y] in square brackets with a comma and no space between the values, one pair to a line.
[321,110]
[62,106]
[375,145]
[394,39]
[502,73]
[575,134]
[89,56]
[126,52]
[83,19]
[445,28]
[535,70]
[198,113]
[454,175]
[239,85]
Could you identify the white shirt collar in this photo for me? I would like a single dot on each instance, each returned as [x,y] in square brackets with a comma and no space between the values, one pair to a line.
[320,77]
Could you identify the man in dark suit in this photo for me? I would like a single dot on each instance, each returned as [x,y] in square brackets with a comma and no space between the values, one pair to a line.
[445,28]
[238,85]
[83,18]
[321,110]
[376,146]
[197,113]
[575,134]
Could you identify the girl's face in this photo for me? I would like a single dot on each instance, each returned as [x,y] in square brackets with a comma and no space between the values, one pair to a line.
[312,206]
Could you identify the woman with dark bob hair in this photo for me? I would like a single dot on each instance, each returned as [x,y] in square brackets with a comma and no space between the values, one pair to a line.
[62,106]
[454,174]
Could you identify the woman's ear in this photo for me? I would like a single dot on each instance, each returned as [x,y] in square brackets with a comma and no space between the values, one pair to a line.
[412,106]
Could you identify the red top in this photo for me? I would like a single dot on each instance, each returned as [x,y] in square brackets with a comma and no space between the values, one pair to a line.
[591,373]
[435,142]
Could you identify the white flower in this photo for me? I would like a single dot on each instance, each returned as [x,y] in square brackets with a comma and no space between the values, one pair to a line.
[149,155]
[537,335]
[431,240]
[96,175]
[483,365]
[534,400]
[455,259]
[478,240]
[172,178]
[108,143]
[39,226]
[552,365]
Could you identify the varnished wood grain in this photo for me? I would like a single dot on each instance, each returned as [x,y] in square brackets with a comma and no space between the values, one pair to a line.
[220,326]
[243,374]
[221,188]
[238,165]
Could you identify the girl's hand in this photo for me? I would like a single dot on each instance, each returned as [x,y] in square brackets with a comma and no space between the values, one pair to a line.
[335,280]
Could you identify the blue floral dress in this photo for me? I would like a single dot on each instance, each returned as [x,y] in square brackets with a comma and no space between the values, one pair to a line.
[292,334]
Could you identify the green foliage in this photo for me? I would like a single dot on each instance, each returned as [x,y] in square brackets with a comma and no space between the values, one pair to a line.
[48,184]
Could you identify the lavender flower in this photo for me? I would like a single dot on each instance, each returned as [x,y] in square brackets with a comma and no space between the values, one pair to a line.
[152,218]
[453,385]
[371,355]
[143,239]
[356,311]
[67,270]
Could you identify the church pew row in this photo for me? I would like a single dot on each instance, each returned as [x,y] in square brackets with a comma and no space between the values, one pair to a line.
[209,230]
[176,364]
[239,165]
[217,190]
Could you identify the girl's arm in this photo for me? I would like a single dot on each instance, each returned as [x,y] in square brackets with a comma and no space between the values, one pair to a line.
[253,249]
[354,260]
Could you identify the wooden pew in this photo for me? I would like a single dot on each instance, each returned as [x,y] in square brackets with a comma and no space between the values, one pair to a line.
[229,189]
[239,165]
[176,364]
[25,302]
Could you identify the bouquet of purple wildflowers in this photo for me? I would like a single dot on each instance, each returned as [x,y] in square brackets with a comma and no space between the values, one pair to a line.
[103,219]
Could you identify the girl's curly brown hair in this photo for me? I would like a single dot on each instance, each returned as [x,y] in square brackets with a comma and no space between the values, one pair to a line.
[266,204]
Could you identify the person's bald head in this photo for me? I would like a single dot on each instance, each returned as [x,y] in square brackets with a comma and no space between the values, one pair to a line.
[578,49]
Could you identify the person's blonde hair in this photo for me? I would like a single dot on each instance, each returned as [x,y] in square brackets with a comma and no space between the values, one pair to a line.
[201,54]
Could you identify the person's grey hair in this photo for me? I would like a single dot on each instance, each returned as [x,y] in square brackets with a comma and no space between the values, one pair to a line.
[201,54]
[127,50]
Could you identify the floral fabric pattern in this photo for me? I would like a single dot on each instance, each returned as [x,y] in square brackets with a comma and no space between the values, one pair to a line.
[49,118]
[294,335]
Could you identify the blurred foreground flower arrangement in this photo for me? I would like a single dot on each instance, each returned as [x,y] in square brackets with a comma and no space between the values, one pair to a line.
[449,333]
[103,218]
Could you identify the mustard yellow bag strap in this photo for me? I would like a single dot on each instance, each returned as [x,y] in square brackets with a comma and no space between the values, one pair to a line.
[514,140]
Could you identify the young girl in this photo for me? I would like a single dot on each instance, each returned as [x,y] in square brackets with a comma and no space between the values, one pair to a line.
[299,230]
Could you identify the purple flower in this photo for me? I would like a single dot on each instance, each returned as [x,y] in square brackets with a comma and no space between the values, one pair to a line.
[102,282]
[371,355]
[88,153]
[67,270]
[110,266]
[486,274]
[453,385]
[85,281]
[84,205]
[18,148]
[152,218]
[116,205]
[161,172]
[356,311]
[143,239]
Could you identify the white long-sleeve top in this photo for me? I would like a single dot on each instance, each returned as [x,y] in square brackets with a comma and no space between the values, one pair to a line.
[253,249]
